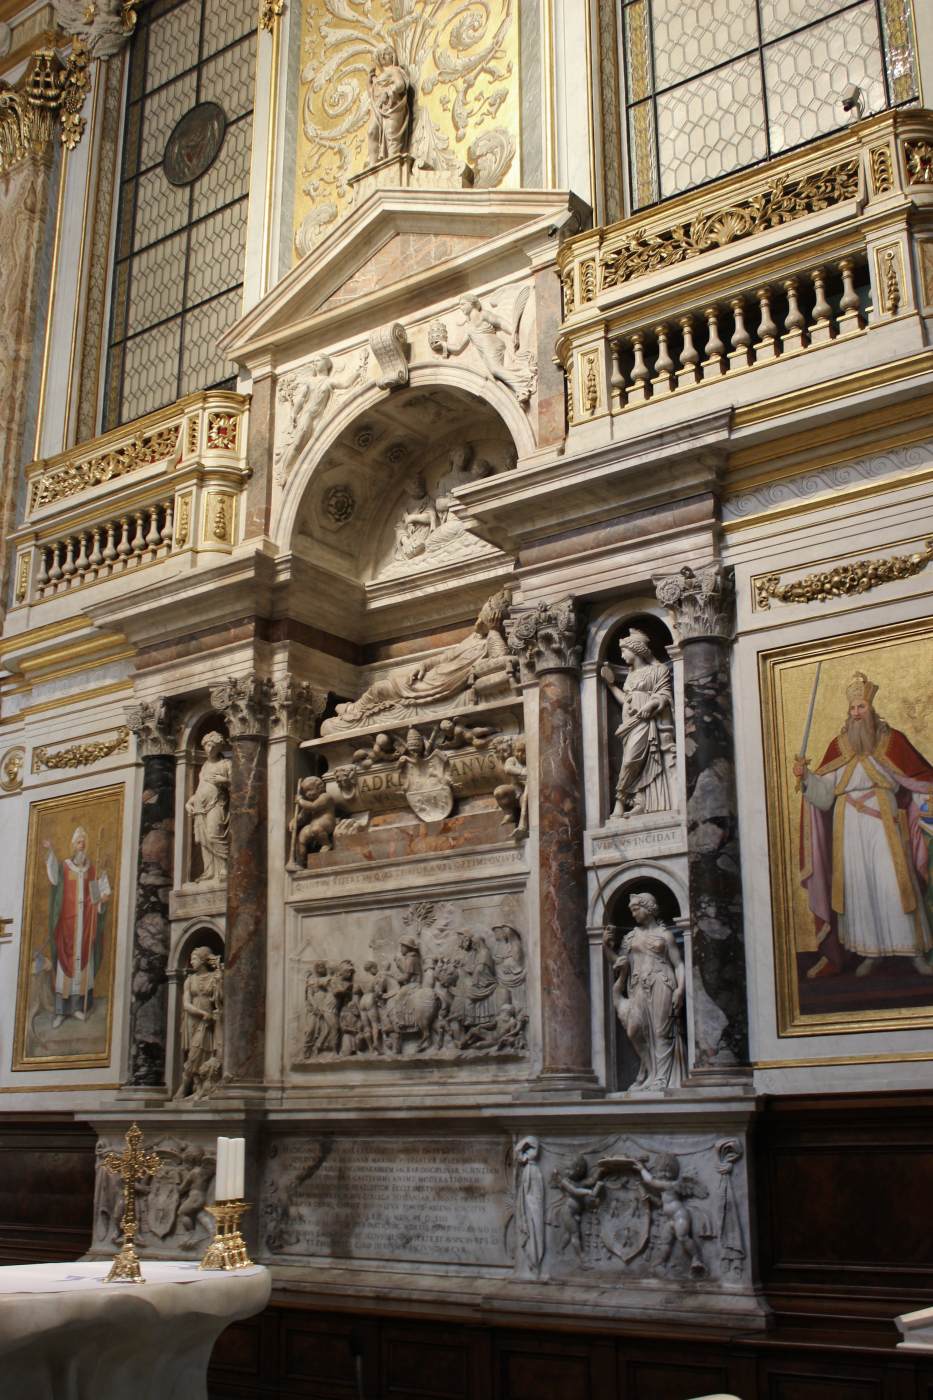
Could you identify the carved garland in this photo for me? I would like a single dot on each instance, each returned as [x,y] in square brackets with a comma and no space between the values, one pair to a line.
[842,581]
[62,482]
[781,202]
[50,88]
[80,755]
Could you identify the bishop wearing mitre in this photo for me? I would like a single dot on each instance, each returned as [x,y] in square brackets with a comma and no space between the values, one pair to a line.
[863,851]
[76,914]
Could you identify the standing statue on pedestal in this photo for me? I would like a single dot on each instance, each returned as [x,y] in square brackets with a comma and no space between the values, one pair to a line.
[390,124]
[648,994]
[210,806]
[645,782]
[202,1025]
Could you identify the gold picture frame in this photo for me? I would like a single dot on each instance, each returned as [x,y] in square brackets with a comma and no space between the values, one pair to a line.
[64,1009]
[820,990]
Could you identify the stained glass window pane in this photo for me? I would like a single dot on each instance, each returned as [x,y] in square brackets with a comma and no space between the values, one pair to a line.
[692,36]
[178,268]
[710,126]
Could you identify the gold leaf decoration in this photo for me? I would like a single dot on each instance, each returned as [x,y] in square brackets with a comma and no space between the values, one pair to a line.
[842,580]
[80,755]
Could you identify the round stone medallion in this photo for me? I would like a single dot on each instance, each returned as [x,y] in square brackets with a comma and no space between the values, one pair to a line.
[194,143]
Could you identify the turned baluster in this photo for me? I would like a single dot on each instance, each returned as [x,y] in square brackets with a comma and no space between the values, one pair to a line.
[110,549]
[55,572]
[81,562]
[742,355]
[69,567]
[823,328]
[42,574]
[153,535]
[795,324]
[168,524]
[641,374]
[138,543]
[96,558]
[124,548]
[664,381]
[714,366]
[768,347]
[851,305]
[689,373]
[617,378]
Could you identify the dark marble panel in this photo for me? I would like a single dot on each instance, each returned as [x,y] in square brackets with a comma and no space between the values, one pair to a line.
[154,876]
[245,952]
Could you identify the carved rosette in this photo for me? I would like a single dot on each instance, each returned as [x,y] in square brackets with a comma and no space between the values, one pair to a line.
[296,709]
[547,638]
[702,602]
[155,726]
[246,704]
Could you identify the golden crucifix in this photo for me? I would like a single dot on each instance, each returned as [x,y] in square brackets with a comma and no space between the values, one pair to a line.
[131,1165]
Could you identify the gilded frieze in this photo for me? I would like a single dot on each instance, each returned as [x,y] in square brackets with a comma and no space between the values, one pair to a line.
[80,755]
[842,580]
[463,66]
[74,476]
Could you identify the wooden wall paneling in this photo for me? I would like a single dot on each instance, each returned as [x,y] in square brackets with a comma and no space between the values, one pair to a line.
[440,1363]
[548,1366]
[46,1188]
[318,1355]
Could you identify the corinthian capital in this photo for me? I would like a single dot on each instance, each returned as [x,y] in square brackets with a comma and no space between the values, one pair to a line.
[296,709]
[246,704]
[546,637]
[702,601]
[155,725]
[50,90]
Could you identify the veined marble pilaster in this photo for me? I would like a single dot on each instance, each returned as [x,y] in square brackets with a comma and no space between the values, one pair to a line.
[246,703]
[547,640]
[702,605]
[156,736]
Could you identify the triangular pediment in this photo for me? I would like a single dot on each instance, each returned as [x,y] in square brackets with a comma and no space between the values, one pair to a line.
[395,253]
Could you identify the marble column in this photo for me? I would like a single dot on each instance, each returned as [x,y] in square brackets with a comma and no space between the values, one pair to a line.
[156,738]
[702,604]
[244,701]
[546,639]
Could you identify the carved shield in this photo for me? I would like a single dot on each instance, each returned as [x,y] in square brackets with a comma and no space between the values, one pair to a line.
[625,1222]
[161,1206]
[428,793]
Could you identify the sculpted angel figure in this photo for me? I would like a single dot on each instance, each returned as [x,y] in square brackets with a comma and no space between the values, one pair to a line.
[209,804]
[104,25]
[389,95]
[308,396]
[496,341]
[648,993]
[645,782]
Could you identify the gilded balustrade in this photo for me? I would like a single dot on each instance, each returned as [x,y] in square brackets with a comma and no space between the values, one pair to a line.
[163,485]
[811,250]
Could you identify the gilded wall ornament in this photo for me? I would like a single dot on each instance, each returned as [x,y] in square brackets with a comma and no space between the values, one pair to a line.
[80,755]
[80,474]
[919,158]
[49,89]
[882,171]
[780,202]
[448,97]
[842,580]
[270,12]
[11,769]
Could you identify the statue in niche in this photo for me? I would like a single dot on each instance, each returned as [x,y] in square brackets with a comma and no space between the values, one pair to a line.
[202,1025]
[529,1203]
[648,995]
[389,128]
[471,1002]
[495,339]
[646,774]
[209,804]
[477,668]
[512,796]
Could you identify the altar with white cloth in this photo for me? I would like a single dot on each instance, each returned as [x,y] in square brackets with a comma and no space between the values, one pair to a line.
[65,1334]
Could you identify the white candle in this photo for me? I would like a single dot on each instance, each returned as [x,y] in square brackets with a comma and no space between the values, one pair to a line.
[237,1185]
[221,1170]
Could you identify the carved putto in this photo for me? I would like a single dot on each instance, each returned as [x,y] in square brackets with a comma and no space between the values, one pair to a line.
[646,734]
[209,805]
[496,337]
[468,1001]
[171,1206]
[478,668]
[202,1025]
[648,995]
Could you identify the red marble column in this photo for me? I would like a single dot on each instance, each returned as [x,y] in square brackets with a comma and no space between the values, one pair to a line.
[245,704]
[546,640]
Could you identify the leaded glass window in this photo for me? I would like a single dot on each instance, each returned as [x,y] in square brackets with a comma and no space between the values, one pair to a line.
[715,85]
[181,232]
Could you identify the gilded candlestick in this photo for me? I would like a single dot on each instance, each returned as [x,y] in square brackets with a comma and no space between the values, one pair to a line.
[227,1250]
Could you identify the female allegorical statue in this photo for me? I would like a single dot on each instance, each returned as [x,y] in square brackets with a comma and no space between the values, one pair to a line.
[647,729]
[209,804]
[648,993]
[202,1024]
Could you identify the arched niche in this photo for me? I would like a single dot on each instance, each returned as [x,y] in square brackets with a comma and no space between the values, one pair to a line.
[622,1062]
[373,500]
